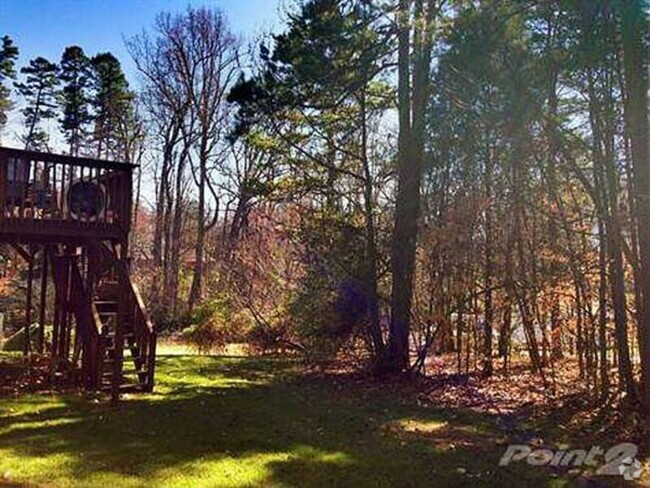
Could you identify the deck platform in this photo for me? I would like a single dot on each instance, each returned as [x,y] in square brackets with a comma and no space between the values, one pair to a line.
[49,198]
[69,219]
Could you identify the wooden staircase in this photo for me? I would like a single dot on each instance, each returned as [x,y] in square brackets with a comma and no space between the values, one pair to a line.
[117,340]
[136,347]
[127,336]
[74,215]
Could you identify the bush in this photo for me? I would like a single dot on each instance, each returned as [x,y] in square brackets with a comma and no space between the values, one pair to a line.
[16,341]
[206,338]
[208,328]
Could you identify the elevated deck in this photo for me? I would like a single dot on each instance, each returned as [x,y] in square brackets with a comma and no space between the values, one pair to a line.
[70,218]
[49,198]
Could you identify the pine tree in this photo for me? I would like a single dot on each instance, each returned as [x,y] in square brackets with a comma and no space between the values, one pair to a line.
[326,71]
[39,92]
[111,102]
[8,55]
[75,76]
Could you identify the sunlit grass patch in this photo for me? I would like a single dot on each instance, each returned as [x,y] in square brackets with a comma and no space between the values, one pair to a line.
[416,426]
[240,422]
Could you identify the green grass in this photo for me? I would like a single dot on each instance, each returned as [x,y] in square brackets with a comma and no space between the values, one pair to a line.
[239,422]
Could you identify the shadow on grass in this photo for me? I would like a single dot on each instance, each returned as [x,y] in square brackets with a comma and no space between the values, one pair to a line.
[246,422]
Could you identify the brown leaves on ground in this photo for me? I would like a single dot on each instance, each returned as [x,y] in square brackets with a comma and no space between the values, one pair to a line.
[447,436]
[503,392]
[524,404]
[20,375]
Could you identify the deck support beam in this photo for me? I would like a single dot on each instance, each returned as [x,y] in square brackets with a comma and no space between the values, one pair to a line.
[28,304]
[41,212]
[23,254]
[41,318]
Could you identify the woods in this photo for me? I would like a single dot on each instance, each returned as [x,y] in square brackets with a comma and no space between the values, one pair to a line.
[383,243]
[391,182]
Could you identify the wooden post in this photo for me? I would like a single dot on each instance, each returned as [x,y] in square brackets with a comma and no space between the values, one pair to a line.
[62,305]
[41,318]
[3,184]
[118,340]
[67,315]
[56,328]
[28,305]
[118,344]
[57,305]
[151,362]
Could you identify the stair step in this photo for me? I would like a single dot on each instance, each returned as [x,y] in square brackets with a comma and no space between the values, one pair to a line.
[126,335]
[110,374]
[108,318]
[124,388]
[134,375]
[127,358]
[110,337]
[106,287]
[111,348]
[104,306]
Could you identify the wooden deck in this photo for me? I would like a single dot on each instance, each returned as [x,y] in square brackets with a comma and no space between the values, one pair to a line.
[72,216]
[51,198]
[22,231]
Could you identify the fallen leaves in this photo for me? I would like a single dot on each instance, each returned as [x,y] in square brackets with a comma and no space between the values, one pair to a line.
[19,375]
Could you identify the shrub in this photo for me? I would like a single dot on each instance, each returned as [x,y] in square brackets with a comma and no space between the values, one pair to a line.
[208,328]
[16,341]
[206,338]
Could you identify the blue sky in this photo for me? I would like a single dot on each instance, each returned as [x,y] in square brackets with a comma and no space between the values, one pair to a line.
[46,27]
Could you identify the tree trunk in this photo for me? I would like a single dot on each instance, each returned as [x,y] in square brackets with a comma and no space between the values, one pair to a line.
[489,270]
[162,193]
[176,233]
[199,248]
[409,171]
[407,203]
[634,28]
[371,242]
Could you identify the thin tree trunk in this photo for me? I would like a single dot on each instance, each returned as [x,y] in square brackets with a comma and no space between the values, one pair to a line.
[489,269]
[408,191]
[635,54]
[409,171]
[199,248]
[176,234]
[371,241]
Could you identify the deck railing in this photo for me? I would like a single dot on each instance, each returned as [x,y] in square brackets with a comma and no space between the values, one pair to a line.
[143,330]
[88,326]
[38,186]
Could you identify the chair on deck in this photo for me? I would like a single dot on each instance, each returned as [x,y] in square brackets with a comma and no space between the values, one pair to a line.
[16,191]
[27,196]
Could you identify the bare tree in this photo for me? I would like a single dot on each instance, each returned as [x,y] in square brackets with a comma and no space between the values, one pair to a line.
[204,54]
[189,64]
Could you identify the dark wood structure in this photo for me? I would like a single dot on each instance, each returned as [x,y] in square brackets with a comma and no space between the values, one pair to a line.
[72,217]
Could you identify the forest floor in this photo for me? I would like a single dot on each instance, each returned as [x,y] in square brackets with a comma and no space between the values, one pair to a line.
[240,422]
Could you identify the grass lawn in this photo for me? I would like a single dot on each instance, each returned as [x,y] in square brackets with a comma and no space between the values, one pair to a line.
[238,422]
